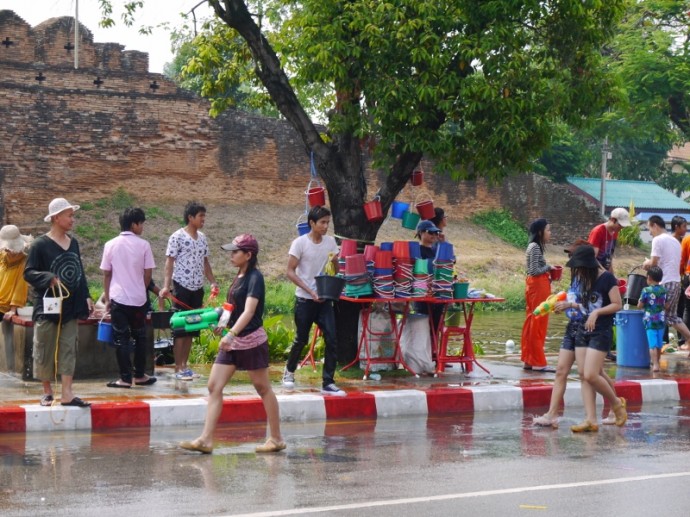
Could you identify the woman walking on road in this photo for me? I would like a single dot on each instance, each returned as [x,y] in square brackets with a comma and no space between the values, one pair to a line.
[537,289]
[572,307]
[244,347]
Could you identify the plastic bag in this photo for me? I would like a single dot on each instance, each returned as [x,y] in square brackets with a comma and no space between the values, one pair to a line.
[381,340]
[415,344]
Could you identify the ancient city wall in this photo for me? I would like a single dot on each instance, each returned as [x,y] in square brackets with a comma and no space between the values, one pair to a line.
[110,123]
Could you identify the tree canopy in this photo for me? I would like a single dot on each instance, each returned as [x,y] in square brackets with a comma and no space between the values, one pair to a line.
[475,85]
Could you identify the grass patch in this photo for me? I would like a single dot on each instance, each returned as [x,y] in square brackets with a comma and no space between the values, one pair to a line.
[502,225]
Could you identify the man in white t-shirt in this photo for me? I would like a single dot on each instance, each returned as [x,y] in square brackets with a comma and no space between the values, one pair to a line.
[308,257]
[666,255]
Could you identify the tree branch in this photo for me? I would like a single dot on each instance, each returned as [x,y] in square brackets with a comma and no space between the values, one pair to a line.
[269,70]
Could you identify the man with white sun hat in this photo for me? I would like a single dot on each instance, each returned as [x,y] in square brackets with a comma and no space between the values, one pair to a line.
[13,288]
[54,269]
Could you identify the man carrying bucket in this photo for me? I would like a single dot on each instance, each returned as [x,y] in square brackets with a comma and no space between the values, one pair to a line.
[54,270]
[308,257]
[666,254]
[127,265]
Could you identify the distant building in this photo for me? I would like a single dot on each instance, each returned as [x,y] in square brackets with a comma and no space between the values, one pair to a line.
[648,198]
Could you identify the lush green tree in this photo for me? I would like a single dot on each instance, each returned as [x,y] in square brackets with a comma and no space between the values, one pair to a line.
[648,60]
[474,84]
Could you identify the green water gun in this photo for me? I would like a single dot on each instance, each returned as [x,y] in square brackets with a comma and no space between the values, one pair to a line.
[196,319]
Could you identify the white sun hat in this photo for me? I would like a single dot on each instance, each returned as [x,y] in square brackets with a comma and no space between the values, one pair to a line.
[57,205]
[11,239]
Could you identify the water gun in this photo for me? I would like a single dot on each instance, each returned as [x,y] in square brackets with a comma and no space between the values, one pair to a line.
[549,304]
[196,319]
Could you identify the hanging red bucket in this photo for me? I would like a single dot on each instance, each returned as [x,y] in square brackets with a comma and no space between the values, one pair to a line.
[425,209]
[417,178]
[316,196]
[373,211]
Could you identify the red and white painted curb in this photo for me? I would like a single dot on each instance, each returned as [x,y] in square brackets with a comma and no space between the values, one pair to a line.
[299,407]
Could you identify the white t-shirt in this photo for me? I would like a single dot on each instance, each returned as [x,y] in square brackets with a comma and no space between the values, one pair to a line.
[667,248]
[312,260]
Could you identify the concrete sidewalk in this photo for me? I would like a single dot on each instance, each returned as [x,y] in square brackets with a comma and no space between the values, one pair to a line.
[170,402]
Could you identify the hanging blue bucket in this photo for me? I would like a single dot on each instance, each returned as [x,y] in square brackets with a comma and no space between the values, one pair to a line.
[632,348]
[398,208]
[303,228]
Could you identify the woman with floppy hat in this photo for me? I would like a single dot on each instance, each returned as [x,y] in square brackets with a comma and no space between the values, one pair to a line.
[537,289]
[597,299]
[13,288]
[244,347]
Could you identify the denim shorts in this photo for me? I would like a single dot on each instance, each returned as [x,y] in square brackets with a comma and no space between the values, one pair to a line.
[598,339]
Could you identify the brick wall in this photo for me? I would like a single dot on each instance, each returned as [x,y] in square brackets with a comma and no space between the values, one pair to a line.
[84,133]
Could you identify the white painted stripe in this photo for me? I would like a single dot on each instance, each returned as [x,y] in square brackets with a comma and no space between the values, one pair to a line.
[400,403]
[658,390]
[496,398]
[301,408]
[56,418]
[465,495]
[177,412]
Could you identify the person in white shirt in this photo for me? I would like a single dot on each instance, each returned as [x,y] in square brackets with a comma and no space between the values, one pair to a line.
[666,254]
[308,257]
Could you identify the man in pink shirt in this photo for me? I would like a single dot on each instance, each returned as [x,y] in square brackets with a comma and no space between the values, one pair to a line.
[604,236]
[127,266]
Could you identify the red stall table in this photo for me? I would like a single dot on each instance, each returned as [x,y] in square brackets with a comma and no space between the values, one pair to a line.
[440,340]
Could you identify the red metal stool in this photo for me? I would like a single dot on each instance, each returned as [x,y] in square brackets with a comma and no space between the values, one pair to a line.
[450,335]
[309,358]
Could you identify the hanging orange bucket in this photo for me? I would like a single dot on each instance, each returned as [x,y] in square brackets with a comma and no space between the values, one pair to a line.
[417,178]
[373,210]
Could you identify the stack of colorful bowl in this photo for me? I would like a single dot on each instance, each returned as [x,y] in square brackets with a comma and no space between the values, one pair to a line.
[383,274]
[358,282]
[442,284]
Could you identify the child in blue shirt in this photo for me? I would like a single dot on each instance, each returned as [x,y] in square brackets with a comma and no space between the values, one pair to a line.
[653,300]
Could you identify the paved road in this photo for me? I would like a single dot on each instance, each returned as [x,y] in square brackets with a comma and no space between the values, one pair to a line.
[488,463]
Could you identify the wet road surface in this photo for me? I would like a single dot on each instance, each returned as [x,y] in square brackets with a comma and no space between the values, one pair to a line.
[489,463]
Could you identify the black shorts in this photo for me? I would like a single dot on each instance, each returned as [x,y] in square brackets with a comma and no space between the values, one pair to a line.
[252,359]
[598,339]
[193,299]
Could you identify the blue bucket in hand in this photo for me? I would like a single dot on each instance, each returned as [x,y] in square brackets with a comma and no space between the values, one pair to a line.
[105,332]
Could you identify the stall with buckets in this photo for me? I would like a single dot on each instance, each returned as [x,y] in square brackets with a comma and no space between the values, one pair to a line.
[392,275]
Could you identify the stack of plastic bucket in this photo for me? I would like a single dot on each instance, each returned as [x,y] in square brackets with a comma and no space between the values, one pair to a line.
[347,247]
[357,281]
[402,269]
[383,274]
[421,278]
[442,284]
[370,258]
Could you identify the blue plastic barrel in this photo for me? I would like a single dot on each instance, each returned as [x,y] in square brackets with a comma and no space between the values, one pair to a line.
[632,348]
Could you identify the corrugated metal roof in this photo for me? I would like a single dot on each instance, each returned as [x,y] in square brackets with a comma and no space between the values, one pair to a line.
[645,194]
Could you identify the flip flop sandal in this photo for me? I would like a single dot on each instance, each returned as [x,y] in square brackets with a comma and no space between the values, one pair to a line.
[271,446]
[47,400]
[77,402]
[147,382]
[191,446]
[115,384]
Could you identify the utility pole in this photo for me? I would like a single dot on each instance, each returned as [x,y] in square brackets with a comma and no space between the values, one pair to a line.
[76,34]
[605,155]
